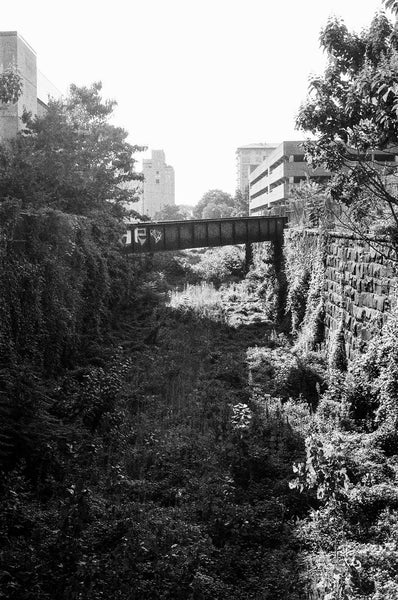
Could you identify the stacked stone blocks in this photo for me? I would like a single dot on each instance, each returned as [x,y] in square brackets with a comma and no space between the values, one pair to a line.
[359,288]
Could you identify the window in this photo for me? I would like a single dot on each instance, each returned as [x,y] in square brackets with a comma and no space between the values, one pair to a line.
[157,180]
[259,177]
[257,194]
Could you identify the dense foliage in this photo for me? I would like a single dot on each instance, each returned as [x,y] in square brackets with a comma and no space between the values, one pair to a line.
[216,204]
[351,110]
[172,212]
[348,537]
[71,159]
[136,462]
[181,449]
[10,85]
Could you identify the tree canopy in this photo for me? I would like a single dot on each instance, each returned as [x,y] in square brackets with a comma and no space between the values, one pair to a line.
[216,204]
[391,5]
[352,110]
[172,212]
[72,158]
[241,203]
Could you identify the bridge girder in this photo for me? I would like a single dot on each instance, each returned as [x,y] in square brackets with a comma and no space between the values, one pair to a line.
[159,236]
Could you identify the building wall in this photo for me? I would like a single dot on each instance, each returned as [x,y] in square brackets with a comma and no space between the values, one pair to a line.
[36,88]
[15,52]
[46,89]
[247,159]
[271,183]
[159,184]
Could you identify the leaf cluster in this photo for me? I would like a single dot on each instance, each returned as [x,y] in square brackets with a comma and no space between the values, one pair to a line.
[71,158]
[10,85]
[352,111]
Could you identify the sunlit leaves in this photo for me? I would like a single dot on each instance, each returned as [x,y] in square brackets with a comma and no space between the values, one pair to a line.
[392,5]
[10,85]
[352,109]
[72,157]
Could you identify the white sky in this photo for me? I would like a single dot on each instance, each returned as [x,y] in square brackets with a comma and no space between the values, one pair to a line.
[196,78]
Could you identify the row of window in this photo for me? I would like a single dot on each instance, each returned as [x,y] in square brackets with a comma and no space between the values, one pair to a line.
[265,190]
[275,165]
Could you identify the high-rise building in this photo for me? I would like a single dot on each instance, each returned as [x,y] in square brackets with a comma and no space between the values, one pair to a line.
[247,159]
[16,53]
[159,188]
[272,182]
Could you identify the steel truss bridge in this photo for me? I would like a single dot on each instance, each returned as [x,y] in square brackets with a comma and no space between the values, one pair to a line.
[158,236]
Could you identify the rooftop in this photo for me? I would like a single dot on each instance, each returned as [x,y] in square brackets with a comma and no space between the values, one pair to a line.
[260,145]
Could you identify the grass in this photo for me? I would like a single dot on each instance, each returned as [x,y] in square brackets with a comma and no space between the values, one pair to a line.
[204,300]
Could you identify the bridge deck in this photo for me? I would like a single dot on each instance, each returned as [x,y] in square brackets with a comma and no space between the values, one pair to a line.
[158,236]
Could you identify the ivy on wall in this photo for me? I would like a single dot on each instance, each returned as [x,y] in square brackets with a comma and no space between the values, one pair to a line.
[305,271]
[63,278]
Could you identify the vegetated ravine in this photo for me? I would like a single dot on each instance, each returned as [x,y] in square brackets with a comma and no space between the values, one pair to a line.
[211,453]
[183,445]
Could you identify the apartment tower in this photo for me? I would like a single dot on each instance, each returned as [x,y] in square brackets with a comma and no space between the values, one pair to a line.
[159,188]
[247,159]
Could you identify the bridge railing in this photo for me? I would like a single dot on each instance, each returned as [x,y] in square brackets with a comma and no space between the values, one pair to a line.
[177,235]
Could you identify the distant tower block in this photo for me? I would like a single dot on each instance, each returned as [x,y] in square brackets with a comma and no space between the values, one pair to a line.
[159,186]
[247,159]
[15,52]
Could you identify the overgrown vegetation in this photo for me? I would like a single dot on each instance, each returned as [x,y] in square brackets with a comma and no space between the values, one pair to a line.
[216,204]
[168,429]
[352,112]
[138,462]
[348,538]
[213,265]
[71,158]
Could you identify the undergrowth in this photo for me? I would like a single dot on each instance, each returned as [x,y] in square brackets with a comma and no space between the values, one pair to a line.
[153,449]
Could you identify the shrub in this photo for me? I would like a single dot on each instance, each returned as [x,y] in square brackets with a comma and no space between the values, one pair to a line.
[219,265]
[288,374]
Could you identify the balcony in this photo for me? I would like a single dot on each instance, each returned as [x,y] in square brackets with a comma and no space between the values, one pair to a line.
[278,194]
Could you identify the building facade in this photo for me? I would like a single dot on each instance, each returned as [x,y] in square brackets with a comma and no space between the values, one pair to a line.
[15,52]
[159,185]
[247,159]
[272,182]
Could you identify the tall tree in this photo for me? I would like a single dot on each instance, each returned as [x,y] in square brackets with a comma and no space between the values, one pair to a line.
[171,212]
[352,111]
[214,204]
[241,203]
[71,158]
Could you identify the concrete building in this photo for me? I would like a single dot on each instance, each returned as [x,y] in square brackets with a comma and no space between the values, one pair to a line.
[271,183]
[159,186]
[15,52]
[247,159]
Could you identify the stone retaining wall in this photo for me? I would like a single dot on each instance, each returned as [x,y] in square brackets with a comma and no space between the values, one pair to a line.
[360,287]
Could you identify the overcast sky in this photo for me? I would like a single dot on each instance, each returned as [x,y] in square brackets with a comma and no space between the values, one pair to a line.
[196,78]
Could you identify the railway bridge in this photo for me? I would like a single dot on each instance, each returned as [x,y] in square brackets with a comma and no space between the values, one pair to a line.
[158,236]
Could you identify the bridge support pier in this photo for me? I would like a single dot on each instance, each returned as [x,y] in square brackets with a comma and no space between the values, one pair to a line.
[248,256]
